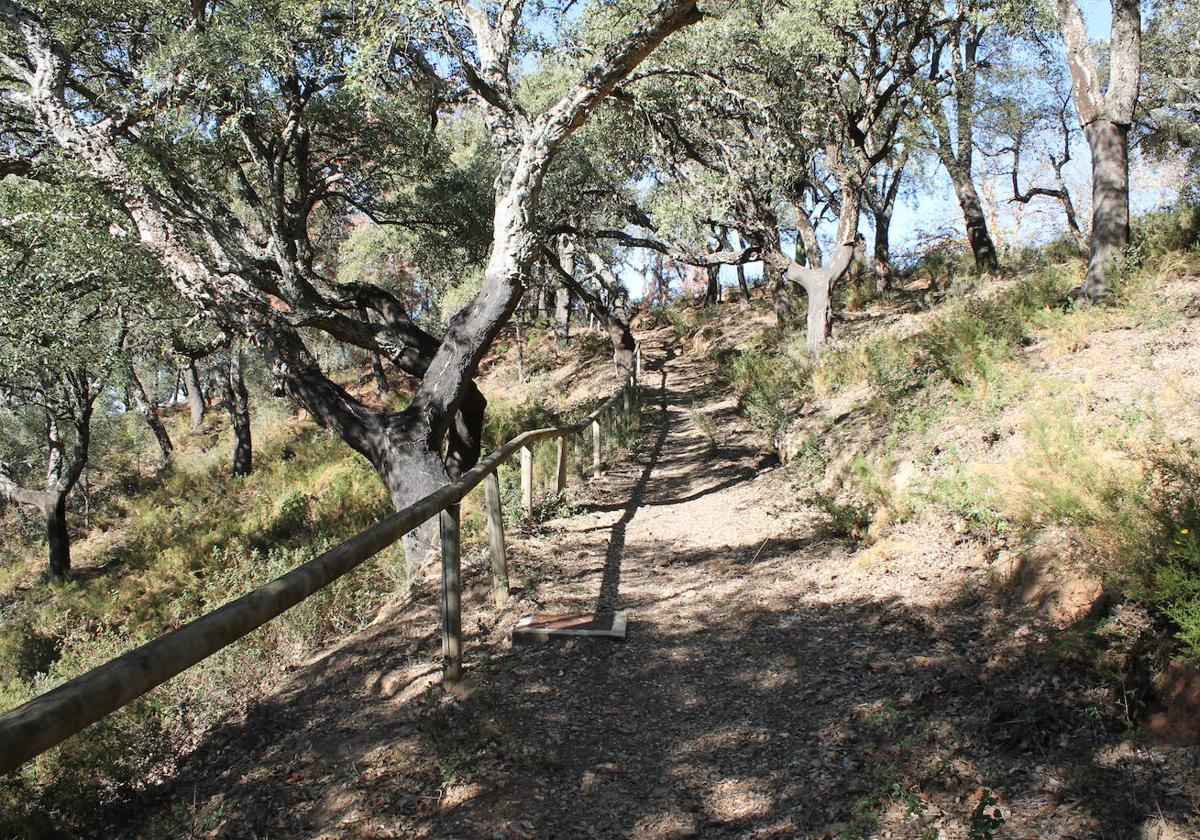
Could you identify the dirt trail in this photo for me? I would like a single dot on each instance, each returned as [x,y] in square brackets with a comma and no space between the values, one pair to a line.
[774,684]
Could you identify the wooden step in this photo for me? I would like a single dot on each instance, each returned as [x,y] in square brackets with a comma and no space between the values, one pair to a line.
[540,628]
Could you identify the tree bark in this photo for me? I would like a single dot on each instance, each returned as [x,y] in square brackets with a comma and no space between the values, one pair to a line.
[149,411]
[615,320]
[562,294]
[238,402]
[57,536]
[810,249]
[978,235]
[742,284]
[1109,143]
[195,395]
[882,256]
[712,288]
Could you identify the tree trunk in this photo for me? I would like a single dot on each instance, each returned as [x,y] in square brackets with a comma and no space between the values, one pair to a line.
[238,399]
[149,411]
[882,262]
[58,538]
[712,288]
[820,314]
[1109,143]
[978,236]
[616,323]
[195,395]
[742,284]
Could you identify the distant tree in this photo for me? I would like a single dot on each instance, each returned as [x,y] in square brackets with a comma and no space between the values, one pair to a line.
[1169,99]
[951,108]
[71,296]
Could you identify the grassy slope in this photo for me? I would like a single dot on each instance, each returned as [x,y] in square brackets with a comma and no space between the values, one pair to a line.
[1054,440]
[167,544]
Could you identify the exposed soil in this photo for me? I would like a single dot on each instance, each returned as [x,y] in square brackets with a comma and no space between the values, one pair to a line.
[776,682]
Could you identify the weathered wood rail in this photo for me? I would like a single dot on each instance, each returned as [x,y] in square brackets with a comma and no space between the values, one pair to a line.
[49,719]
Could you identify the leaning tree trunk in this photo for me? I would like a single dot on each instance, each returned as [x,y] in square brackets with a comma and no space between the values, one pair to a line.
[1109,143]
[238,400]
[149,411]
[978,235]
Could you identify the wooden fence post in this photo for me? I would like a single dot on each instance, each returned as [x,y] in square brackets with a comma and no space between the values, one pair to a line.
[527,482]
[596,448]
[637,362]
[627,402]
[451,596]
[560,479]
[495,524]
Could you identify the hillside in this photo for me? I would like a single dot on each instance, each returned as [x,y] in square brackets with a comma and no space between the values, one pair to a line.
[160,544]
[915,625]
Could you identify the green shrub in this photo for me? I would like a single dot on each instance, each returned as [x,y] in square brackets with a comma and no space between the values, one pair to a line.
[765,386]
[1162,231]
[1164,545]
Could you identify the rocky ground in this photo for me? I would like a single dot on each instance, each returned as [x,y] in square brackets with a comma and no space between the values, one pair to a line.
[776,682]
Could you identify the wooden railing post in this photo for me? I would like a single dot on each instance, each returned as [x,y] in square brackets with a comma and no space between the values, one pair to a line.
[596,448]
[637,362]
[627,402]
[495,525]
[560,473]
[451,596]
[527,482]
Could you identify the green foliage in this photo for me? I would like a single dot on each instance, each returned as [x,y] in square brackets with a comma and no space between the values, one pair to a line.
[1162,544]
[765,386]
[984,823]
[847,520]
[1164,231]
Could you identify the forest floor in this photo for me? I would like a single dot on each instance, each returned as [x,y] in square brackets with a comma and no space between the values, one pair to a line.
[774,683]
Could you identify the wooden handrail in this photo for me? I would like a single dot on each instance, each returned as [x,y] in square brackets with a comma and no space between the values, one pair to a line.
[49,719]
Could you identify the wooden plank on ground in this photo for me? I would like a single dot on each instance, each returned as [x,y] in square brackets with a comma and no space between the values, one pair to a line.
[540,628]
